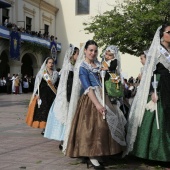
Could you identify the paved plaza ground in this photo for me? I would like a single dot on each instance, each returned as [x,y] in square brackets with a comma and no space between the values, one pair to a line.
[23,147]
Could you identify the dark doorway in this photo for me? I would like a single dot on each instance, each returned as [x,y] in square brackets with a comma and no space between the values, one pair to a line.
[27,65]
[4,66]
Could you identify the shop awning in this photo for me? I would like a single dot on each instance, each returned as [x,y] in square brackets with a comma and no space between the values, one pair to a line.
[4,4]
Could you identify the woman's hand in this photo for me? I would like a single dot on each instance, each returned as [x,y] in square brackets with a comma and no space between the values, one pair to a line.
[95,101]
[104,68]
[101,109]
[37,97]
[139,76]
[154,97]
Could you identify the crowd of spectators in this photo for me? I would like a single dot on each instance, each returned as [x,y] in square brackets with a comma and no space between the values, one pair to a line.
[16,84]
[130,86]
[13,26]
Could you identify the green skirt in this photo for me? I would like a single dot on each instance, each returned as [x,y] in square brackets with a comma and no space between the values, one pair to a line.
[152,143]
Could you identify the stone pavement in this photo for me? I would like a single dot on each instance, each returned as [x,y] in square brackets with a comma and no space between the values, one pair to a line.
[23,147]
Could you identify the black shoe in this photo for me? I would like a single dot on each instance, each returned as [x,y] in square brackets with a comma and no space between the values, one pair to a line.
[42,133]
[60,147]
[100,167]
[84,160]
[103,163]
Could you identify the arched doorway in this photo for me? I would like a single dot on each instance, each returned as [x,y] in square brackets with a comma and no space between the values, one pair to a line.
[28,61]
[4,66]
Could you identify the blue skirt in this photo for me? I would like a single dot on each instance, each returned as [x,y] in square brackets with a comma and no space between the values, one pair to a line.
[54,128]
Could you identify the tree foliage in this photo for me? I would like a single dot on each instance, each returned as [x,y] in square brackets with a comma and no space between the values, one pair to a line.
[131,25]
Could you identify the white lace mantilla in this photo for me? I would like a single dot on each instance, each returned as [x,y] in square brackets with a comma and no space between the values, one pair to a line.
[114,50]
[139,103]
[39,77]
[116,120]
[164,58]
[60,103]
[75,95]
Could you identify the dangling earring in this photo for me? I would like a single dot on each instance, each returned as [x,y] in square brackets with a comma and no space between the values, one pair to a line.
[162,39]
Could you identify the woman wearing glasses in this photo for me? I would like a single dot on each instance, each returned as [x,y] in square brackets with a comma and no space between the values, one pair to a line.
[147,136]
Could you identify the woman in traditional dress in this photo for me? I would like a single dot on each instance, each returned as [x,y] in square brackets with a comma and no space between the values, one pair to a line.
[133,86]
[114,83]
[143,61]
[44,94]
[147,136]
[133,90]
[111,65]
[57,118]
[90,135]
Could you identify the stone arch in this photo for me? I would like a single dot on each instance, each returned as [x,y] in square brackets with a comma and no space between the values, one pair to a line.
[29,64]
[4,63]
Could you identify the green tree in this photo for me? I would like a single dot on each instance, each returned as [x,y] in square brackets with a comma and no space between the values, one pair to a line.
[131,25]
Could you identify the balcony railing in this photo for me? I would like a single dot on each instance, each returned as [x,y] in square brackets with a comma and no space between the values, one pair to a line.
[5,33]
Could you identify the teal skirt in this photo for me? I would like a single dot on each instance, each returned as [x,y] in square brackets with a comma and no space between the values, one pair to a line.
[152,143]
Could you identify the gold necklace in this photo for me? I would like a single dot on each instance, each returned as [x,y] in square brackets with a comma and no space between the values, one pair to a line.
[50,73]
